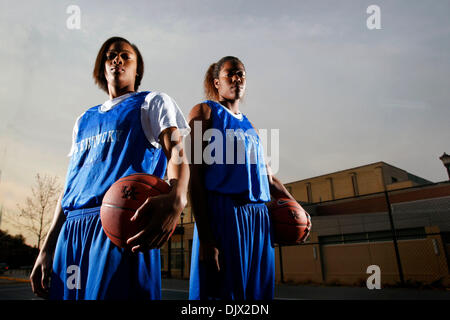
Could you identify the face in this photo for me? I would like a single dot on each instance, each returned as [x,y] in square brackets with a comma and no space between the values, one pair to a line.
[120,65]
[231,82]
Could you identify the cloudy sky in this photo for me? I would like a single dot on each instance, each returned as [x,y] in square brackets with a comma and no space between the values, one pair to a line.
[340,94]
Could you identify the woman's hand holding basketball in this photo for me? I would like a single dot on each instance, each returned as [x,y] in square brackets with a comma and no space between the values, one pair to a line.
[162,212]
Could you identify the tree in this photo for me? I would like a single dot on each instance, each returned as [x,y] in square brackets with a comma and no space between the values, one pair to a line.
[35,215]
[15,252]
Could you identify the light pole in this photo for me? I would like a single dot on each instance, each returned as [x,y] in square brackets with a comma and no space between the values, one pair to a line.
[182,246]
[445,158]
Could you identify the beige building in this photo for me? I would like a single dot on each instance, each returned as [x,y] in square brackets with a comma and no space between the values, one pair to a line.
[351,230]
[367,179]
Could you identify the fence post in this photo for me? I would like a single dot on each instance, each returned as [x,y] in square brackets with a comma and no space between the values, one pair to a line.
[169,258]
[394,238]
[182,254]
[281,264]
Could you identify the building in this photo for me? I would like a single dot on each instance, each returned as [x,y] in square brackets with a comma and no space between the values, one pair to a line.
[367,179]
[351,234]
[353,229]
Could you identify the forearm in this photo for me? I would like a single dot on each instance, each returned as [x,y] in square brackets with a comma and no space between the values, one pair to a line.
[55,228]
[178,175]
[197,193]
[277,189]
[177,167]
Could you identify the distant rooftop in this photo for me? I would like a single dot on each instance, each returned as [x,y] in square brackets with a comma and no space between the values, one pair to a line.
[411,176]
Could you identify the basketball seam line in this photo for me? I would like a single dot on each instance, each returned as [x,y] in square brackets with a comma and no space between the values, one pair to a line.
[144,183]
[116,207]
[291,224]
[113,235]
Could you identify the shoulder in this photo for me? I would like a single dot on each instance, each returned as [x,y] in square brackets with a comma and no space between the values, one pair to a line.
[81,116]
[251,123]
[158,97]
[160,102]
[201,111]
[92,109]
[83,113]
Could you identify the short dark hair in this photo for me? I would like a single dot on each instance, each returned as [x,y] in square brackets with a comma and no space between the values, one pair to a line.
[212,73]
[99,67]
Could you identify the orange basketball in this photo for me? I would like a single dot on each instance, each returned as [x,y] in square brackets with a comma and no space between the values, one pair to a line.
[121,201]
[290,222]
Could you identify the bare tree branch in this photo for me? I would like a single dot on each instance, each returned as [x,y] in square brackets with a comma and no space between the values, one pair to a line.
[35,214]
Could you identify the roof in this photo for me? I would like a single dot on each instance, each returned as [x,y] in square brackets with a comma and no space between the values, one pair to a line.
[410,175]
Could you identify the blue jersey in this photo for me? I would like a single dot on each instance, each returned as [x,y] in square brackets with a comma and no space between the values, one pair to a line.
[109,145]
[237,161]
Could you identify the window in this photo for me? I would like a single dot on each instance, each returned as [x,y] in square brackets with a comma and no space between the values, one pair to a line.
[330,180]
[175,245]
[380,236]
[374,236]
[355,184]
[355,237]
[411,233]
[177,261]
[309,192]
[337,239]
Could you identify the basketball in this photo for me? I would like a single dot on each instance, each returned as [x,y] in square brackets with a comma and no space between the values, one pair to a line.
[122,200]
[290,222]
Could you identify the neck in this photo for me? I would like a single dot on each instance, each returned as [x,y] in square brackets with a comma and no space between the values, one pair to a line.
[232,105]
[115,92]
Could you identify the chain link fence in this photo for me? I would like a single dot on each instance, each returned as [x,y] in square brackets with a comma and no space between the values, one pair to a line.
[408,239]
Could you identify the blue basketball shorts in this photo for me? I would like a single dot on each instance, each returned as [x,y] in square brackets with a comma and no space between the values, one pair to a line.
[88,266]
[246,253]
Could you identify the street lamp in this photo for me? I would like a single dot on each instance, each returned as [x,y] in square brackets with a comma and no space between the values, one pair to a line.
[445,158]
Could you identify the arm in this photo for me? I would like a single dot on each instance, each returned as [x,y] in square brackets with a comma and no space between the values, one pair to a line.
[200,115]
[165,210]
[178,168]
[277,189]
[40,275]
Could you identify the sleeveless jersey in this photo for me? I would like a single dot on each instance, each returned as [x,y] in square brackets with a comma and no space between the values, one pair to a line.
[234,157]
[109,145]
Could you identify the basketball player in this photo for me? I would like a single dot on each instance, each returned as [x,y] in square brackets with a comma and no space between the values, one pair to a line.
[131,132]
[232,254]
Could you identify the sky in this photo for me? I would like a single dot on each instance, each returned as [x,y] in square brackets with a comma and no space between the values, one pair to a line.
[340,94]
